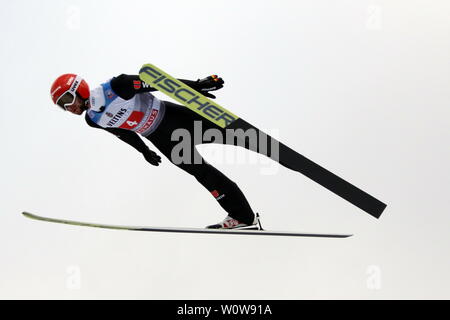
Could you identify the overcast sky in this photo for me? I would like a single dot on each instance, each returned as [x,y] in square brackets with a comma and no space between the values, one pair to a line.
[360,87]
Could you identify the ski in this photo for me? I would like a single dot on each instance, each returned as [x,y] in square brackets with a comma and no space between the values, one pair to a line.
[186,230]
[287,157]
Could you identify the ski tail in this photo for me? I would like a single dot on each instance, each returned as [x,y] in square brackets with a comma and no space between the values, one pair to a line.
[297,162]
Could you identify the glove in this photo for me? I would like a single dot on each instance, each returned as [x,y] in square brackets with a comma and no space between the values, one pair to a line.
[152,157]
[210,83]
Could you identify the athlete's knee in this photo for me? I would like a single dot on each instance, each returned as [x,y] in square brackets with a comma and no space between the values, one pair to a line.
[199,171]
[209,175]
[204,173]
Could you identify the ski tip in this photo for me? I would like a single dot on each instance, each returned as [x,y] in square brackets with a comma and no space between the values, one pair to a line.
[30,215]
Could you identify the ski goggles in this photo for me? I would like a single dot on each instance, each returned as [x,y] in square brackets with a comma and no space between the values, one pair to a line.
[68,97]
[66,100]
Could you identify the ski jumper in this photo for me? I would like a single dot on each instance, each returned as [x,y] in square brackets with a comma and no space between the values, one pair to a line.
[125,107]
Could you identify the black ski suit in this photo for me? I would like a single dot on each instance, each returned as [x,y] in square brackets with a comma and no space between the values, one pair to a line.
[226,192]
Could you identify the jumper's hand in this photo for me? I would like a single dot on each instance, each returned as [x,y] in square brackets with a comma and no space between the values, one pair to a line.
[152,157]
[210,83]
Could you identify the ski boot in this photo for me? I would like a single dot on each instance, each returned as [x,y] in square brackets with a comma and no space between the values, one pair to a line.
[231,223]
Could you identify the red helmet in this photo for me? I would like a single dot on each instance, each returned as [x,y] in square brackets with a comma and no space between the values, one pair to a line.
[66,87]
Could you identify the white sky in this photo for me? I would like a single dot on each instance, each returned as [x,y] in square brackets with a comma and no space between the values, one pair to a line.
[360,87]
